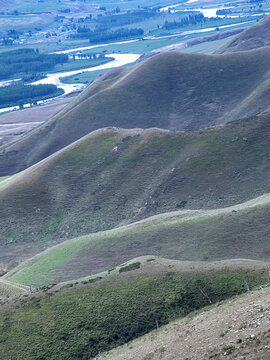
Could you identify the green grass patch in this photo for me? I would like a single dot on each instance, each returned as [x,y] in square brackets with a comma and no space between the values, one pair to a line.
[86,77]
[10,290]
[80,64]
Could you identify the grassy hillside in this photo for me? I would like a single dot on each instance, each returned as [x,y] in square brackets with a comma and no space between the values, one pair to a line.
[113,177]
[235,232]
[171,91]
[254,37]
[10,290]
[236,329]
[72,324]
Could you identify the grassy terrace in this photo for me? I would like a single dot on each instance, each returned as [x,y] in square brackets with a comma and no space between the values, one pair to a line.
[86,77]
[215,235]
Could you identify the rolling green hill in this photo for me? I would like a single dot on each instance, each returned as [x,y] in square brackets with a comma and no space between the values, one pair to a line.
[73,324]
[113,177]
[254,37]
[241,231]
[171,91]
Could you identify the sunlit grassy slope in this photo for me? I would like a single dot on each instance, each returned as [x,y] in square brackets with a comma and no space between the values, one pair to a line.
[236,232]
[113,177]
[171,91]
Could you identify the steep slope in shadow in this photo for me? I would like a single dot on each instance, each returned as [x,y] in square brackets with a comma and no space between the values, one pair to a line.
[171,91]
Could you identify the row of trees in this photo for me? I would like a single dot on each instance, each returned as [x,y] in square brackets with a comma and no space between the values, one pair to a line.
[27,61]
[126,18]
[98,36]
[17,93]
[185,21]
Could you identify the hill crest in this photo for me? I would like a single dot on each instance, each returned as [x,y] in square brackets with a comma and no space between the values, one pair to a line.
[256,36]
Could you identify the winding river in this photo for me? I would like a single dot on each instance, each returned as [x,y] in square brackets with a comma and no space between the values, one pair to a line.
[119,60]
[55,78]
[207,12]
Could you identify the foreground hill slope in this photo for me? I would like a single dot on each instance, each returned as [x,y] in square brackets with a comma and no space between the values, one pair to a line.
[171,91]
[10,290]
[72,324]
[256,36]
[113,177]
[241,231]
[238,329]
